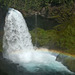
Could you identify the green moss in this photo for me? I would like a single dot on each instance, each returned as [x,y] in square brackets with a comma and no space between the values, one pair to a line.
[61,40]
[43,37]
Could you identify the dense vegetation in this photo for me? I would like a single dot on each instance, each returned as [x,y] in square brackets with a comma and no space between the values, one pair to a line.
[35,5]
[61,36]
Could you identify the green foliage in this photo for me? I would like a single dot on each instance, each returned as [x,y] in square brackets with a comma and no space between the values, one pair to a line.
[63,35]
[43,37]
[68,2]
[66,28]
[36,5]
[66,38]
[32,4]
[55,39]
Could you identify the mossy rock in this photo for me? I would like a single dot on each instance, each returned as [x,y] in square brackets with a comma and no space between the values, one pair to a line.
[67,61]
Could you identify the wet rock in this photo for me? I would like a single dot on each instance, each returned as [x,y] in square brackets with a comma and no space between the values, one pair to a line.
[68,61]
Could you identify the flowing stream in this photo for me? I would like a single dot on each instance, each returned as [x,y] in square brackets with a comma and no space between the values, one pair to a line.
[18,48]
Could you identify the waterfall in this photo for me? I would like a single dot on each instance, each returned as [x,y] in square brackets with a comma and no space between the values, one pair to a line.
[16,34]
[18,47]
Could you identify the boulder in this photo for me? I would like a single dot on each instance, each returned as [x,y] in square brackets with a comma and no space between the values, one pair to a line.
[67,61]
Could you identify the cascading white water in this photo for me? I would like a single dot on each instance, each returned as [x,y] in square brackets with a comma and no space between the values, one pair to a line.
[18,47]
[16,36]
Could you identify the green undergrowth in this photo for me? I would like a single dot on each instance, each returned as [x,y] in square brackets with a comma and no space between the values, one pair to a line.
[61,41]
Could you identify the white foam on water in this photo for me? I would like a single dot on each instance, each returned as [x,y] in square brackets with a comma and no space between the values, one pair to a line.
[16,36]
[18,47]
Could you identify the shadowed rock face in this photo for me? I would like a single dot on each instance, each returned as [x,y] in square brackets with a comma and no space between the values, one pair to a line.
[67,61]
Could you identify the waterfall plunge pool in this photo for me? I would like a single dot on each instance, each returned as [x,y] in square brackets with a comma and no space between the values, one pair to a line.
[33,63]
